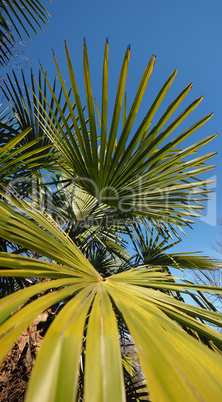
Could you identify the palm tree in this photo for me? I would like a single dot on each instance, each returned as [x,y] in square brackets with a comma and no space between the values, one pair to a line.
[104,294]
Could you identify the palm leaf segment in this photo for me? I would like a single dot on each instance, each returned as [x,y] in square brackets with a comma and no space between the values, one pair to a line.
[154,319]
[131,172]
[17,16]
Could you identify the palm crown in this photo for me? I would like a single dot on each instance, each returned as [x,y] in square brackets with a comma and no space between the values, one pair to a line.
[143,186]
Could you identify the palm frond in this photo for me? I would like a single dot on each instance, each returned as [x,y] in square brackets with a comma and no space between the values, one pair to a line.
[131,171]
[93,308]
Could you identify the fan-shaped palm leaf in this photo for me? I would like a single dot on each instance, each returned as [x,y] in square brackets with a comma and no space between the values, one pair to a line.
[130,171]
[154,319]
[153,251]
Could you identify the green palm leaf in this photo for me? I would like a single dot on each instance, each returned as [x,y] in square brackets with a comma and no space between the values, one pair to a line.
[87,326]
[131,171]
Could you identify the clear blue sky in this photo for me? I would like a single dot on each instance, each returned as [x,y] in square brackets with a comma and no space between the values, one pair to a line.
[186,35]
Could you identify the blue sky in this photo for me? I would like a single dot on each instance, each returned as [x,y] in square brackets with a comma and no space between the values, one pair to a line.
[183,35]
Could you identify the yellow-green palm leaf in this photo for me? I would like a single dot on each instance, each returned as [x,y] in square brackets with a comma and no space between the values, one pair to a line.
[176,365]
